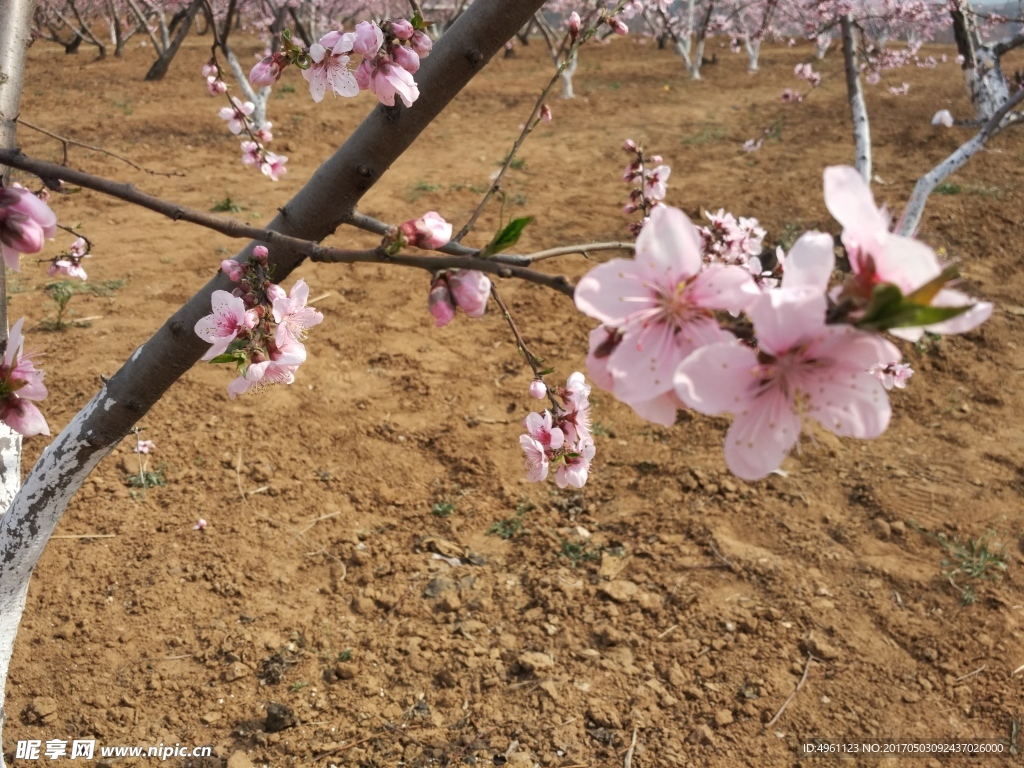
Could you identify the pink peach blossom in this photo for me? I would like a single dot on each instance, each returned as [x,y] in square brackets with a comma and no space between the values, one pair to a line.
[293,317]
[20,384]
[662,303]
[330,66]
[222,326]
[802,369]
[470,290]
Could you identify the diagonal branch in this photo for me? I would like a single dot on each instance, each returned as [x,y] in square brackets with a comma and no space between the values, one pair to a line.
[1003,117]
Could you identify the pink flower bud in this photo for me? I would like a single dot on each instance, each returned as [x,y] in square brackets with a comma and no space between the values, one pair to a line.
[402,29]
[275,292]
[369,39]
[216,87]
[470,289]
[406,58]
[429,232]
[573,24]
[210,69]
[538,390]
[267,71]
[545,114]
[233,270]
[629,145]
[260,252]
[439,301]
[617,26]
[421,43]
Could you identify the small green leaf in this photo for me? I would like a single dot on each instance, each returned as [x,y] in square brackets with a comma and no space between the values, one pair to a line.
[889,308]
[227,357]
[507,237]
[927,292]
[546,371]
[417,21]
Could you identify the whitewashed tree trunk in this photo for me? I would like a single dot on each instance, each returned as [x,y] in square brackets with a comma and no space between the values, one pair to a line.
[697,60]
[15,38]
[986,84]
[821,45]
[855,95]
[567,73]
[258,98]
[753,53]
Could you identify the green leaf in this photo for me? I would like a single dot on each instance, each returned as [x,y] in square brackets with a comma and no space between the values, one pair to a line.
[227,357]
[507,237]
[417,21]
[927,292]
[889,308]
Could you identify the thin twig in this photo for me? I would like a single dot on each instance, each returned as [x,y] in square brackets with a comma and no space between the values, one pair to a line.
[565,250]
[86,536]
[972,674]
[52,174]
[668,631]
[65,141]
[627,761]
[807,668]
[720,556]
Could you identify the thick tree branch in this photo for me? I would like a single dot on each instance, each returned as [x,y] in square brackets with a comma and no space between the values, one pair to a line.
[926,184]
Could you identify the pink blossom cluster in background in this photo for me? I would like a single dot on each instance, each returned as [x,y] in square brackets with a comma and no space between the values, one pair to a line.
[650,184]
[258,327]
[560,438]
[69,264]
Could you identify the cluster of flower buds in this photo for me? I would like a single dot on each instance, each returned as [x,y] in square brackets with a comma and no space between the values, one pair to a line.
[25,223]
[214,84]
[560,437]
[671,335]
[466,289]
[258,327]
[69,263]
[650,184]
[390,55]
[21,386]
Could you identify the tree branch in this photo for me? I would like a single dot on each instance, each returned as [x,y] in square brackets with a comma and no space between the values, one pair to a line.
[66,141]
[926,184]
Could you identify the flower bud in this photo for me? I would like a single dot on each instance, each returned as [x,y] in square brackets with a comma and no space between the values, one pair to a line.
[368,40]
[429,232]
[232,269]
[402,29]
[439,302]
[421,43]
[267,71]
[617,26]
[573,25]
[538,390]
[260,252]
[545,114]
[629,145]
[275,292]
[210,69]
[470,289]
[406,58]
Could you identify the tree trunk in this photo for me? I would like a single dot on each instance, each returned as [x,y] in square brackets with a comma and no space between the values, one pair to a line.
[753,54]
[73,46]
[15,38]
[986,85]
[567,73]
[259,114]
[855,95]
[161,65]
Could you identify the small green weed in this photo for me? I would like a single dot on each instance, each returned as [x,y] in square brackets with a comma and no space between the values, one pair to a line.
[227,205]
[345,655]
[297,686]
[443,509]
[421,187]
[709,134]
[124,106]
[948,189]
[578,552]
[286,88]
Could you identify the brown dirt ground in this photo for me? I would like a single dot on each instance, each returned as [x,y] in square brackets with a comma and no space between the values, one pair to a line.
[689,613]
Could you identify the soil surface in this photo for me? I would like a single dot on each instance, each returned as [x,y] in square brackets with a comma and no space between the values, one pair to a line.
[313,622]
